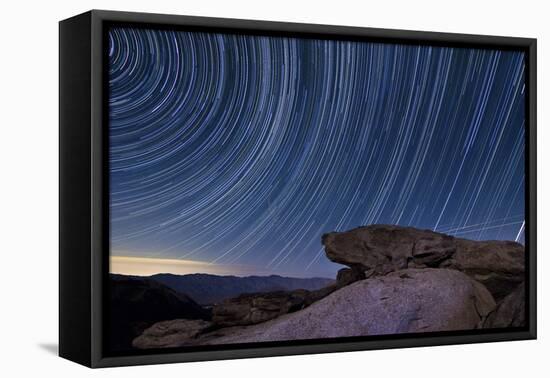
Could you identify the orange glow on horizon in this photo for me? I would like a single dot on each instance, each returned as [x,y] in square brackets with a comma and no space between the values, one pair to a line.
[146,266]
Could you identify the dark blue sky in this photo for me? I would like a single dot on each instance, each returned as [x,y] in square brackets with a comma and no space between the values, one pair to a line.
[244,150]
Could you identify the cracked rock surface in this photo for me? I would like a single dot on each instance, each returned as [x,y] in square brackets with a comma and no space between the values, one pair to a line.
[380,249]
[411,300]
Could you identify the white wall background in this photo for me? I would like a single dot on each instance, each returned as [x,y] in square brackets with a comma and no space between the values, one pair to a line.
[29,186]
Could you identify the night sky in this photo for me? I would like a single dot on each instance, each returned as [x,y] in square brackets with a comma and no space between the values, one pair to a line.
[244,150]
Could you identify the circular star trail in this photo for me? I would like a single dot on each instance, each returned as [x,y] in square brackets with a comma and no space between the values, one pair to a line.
[237,149]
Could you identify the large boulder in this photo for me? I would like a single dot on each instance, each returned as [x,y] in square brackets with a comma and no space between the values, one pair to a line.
[510,312]
[171,334]
[380,249]
[408,301]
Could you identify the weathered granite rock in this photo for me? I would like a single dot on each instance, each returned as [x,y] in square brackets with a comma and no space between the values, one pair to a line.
[412,300]
[377,247]
[510,312]
[254,308]
[499,265]
[380,249]
[257,307]
[171,333]
[347,276]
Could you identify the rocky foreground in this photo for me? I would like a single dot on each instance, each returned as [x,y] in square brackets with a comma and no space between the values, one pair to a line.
[137,303]
[397,280]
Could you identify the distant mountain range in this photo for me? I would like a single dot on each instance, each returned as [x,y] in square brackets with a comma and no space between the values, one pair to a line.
[208,289]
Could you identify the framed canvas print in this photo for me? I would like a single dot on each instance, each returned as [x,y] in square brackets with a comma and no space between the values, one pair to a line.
[234,188]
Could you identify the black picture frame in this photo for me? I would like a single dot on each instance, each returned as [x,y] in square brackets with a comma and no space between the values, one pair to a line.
[83,181]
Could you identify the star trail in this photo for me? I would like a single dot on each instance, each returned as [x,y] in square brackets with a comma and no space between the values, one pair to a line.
[243,150]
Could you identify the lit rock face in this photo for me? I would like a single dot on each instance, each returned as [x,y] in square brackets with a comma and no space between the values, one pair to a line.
[412,300]
[380,249]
